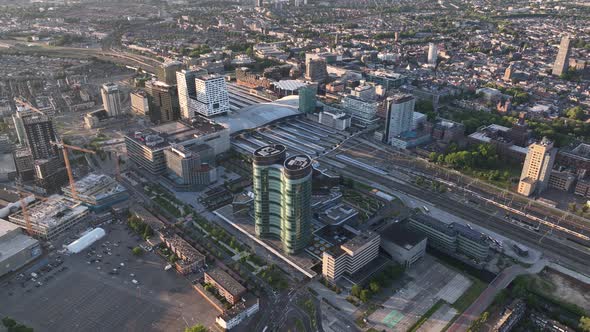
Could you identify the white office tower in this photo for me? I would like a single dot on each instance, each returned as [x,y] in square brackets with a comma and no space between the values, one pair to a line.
[211,95]
[111,99]
[432,53]
[185,80]
[400,115]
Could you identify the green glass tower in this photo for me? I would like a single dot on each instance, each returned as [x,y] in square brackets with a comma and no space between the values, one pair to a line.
[282,197]
[307,99]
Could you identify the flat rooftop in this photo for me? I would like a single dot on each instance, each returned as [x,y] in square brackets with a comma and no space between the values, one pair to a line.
[12,244]
[6,227]
[56,210]
[96,186]
[338,214]
[226,281]
[163,135]
[297,162]
[269,150]
[401,235]
[183,247]
[360,240]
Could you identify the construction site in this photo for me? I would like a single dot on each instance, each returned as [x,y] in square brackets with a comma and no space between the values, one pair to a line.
[49,218]
[97,191]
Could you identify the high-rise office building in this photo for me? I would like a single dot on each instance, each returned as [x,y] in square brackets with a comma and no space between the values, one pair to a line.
[111,99]
[400,114]
[432,53]
[185,80]
[167,72]
[282,197]
[563,57]
[139,103]
[211,95]
[17,119]
[307,99]
[315,68]
[23,160]
[537,167]
[162,101]
[191,165]
[362,112]
[40,133]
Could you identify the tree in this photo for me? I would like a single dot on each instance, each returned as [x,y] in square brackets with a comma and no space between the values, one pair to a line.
[424,106]
[575,113]
[585,324]
[8,322]
[196,328]
[137,251]
[374,286]
[356,291]
[365,295]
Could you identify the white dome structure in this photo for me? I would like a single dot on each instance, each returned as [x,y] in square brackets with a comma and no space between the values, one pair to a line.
[86,240]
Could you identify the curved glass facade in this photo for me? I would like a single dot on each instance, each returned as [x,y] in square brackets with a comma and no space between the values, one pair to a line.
[282,199]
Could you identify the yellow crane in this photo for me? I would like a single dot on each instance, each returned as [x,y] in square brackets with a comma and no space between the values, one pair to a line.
[65,148]
[23,206]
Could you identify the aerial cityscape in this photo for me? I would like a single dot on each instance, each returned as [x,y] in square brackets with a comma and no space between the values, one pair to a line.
[295,165]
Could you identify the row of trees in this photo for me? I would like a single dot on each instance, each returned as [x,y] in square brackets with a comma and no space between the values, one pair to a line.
[140,227]
[382,279]
[482,156]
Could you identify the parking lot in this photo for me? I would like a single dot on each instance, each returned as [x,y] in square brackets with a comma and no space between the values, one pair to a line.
[94,291]
[431,281]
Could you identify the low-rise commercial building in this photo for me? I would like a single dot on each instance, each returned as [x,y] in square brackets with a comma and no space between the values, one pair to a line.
[350,256]
[226,285]
[190,259]
[340,121]
[451,238]
[403,245]
[16,248]
[235,315]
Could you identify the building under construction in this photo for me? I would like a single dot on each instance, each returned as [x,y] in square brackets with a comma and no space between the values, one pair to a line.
[51,217]
[97,191]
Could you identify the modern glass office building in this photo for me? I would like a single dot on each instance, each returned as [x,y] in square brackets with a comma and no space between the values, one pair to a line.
[282,196]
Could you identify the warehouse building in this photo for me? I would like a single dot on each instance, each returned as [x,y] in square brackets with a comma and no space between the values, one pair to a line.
[98,191]
[350,256]
[51,217]
[16,248]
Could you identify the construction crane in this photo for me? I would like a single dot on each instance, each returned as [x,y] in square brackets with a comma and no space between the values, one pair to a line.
[24,103]
[65,148]
[23,206]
